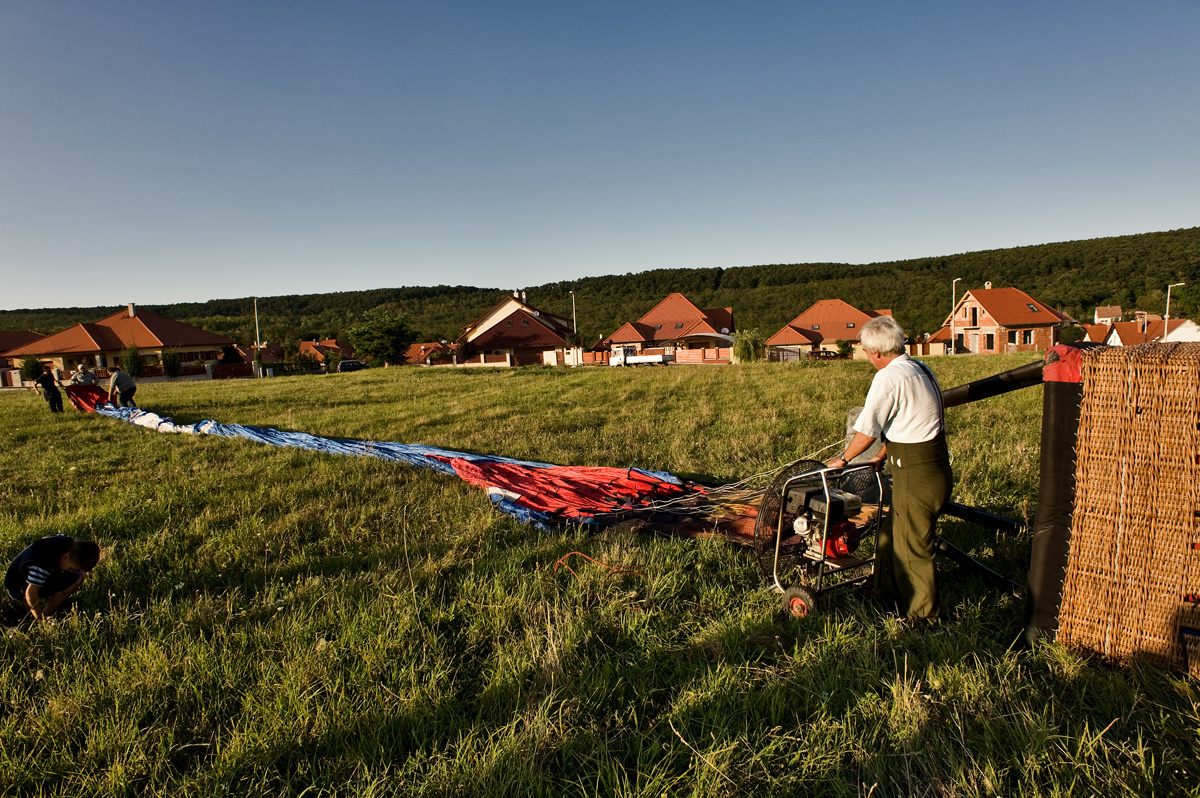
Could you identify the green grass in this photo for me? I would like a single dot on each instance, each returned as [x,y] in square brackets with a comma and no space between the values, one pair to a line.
[278,622]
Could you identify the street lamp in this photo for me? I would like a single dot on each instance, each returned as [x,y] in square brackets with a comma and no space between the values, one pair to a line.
[574,325]
[953,308]
[1167,319]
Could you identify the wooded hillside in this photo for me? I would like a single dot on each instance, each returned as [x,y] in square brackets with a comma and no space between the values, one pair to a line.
[1074,277]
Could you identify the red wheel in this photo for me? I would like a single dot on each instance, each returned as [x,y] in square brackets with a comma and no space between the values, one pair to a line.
[799,602]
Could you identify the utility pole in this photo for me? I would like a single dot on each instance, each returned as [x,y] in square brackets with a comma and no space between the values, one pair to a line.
[1167,317]
[953,310]
[257,336]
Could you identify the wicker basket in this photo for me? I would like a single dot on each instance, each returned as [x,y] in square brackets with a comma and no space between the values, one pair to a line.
[1132,585]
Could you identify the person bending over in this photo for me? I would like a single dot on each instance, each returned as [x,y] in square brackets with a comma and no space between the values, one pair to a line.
[123,386]
[904,408]
[48,571]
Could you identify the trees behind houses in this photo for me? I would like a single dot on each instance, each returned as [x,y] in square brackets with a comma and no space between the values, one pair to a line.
[1074,277]
[383,336]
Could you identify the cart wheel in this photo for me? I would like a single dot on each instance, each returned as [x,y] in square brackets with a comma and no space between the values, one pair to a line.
[799,601]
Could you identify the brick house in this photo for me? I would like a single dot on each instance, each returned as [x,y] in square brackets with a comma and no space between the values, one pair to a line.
[676,326]
[994,320]
[821,327]
[105,341]
[514,333]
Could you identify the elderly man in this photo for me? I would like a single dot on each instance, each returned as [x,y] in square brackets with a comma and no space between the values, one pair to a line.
[903,407]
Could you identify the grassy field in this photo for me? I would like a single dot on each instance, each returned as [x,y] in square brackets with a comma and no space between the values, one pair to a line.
[279,622]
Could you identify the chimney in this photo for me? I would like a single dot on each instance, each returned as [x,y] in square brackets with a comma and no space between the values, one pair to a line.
[132,310]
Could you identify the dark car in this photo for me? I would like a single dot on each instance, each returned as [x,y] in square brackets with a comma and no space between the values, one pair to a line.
[824,354]
[351,365]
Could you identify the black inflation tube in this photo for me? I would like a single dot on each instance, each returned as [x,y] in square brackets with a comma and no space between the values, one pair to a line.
[1005,381]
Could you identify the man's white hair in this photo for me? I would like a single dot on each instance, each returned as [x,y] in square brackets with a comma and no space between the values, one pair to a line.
[883,335]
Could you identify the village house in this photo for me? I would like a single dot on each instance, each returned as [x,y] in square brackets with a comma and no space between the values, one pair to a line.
[265,353]
[106,340]
[319,350]
[680,329]
[994,320]
[1148,329]
[431,353]
[1107,314]
[514,333]
[820,328]
[1185,330]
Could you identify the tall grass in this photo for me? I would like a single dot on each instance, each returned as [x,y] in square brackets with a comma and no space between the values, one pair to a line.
[283,622]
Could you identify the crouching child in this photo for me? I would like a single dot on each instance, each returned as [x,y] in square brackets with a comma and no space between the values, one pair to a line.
[46,573]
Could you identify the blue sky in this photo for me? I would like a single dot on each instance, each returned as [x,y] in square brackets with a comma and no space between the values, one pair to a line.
[163,151]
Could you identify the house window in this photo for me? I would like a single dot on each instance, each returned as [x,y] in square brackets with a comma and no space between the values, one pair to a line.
[849,325]
[1032,307]
[990,342]
[657,326]
[816,326]
[1012,336]
[679,326]
[1027,336]
[508,323]
[524,322]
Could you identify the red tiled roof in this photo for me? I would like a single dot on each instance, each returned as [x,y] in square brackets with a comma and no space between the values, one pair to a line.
[942,336]
[826,320]
[319,349]
[11,339]
[1096,332]
[1012,307]
[145,330]
[270,353]
[1131,333]
[675,317]
[417,353]
[794,336]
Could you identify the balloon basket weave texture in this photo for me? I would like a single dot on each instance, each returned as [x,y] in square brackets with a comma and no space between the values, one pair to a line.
[1132,586]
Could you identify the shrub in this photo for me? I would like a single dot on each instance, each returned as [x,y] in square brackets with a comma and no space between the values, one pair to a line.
[172,364]
[31,367]
[131,361]
[748,345]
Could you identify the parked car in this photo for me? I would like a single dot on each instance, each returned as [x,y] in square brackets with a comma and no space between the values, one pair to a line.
[825,354]
[351,365]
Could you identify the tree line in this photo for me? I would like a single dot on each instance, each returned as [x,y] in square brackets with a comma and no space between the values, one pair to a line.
[1074,277]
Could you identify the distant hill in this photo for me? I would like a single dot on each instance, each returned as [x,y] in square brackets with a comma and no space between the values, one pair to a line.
[1074,277]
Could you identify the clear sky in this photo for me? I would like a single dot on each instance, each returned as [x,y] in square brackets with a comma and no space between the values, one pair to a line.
[165,151]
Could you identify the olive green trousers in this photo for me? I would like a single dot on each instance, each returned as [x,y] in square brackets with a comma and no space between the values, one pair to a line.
[904,547]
